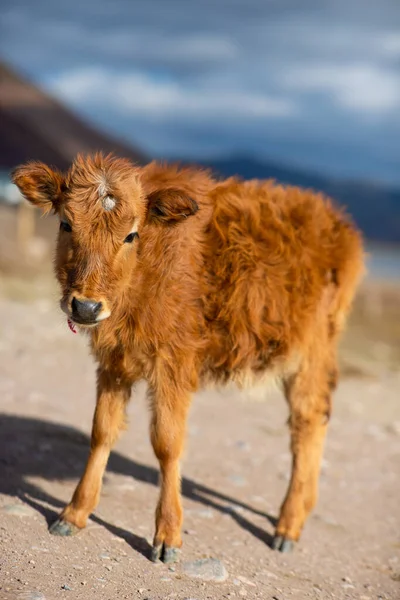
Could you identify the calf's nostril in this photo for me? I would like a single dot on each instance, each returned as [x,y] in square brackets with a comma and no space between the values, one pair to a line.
[86,310]
[97,308]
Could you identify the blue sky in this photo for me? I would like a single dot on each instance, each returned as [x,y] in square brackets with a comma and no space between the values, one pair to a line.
[314,83]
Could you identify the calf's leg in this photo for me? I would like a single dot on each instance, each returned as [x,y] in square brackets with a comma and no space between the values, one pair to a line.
[309,396]
[167,436]
[112,397]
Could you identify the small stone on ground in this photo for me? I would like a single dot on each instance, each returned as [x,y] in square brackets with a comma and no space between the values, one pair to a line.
[206,569]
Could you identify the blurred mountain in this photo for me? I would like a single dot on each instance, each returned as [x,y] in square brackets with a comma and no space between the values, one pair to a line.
[33,125]
[375,207]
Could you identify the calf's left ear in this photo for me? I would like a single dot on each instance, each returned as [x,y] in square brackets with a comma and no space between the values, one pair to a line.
[39,184]
[170,206]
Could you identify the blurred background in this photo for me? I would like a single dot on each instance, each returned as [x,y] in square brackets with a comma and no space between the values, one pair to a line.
[307,92]
[303,91]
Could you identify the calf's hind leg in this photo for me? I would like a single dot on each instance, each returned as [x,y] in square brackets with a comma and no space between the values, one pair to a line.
[309,397]
[112,397]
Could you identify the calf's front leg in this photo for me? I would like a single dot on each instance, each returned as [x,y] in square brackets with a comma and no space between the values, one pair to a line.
[112,396]
[169,413]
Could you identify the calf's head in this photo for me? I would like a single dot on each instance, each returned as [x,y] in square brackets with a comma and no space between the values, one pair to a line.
[102,207]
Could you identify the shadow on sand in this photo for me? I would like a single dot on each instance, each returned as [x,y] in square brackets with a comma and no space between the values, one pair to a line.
[34,448]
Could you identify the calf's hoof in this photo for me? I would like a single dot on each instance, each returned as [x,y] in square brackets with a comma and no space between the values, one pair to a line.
[63,528]
[167,554]
[282,543]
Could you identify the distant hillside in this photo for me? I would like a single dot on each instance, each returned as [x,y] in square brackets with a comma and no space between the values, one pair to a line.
[33,125]
[374,207]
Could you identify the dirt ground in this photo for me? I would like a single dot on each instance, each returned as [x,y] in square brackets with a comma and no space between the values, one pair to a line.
[236,469]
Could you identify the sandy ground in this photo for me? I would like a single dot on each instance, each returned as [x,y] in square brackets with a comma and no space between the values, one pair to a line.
[236,469]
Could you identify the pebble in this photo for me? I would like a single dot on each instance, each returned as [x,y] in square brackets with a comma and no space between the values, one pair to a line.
[31,596]
[207,569]
[205,513]
[242,445]
[65,586]
[327,520]
[394,428]
[234,508]
[270,574]
[376,431]
[36,397]
[258,499]
[119,482]
[237,480]
[245,580]
[347,586]
[19,510]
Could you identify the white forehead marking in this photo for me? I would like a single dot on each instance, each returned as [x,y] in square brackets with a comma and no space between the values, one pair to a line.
[108,203]
[102,187]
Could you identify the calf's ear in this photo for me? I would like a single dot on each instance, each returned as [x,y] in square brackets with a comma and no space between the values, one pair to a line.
[170,206]
[39,184]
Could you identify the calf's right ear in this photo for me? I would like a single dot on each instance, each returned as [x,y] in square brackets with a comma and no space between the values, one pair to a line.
[171,206]
[39,184]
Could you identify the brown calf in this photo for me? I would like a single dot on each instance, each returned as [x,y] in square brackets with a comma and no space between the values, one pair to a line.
[181,280]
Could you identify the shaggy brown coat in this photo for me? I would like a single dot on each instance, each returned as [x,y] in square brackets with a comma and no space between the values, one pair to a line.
[199,281]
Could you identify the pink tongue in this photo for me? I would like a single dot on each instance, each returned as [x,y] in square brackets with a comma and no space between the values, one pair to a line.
[72,327]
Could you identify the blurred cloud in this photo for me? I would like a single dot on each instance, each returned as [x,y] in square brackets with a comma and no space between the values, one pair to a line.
[390,45]
[314,82]
[199,48]
[138,94]
[362,88]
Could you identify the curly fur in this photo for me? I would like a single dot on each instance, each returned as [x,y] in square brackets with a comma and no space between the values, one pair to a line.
[228,281]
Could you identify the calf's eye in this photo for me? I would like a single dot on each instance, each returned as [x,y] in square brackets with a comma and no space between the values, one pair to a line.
[65,226]
[129,238]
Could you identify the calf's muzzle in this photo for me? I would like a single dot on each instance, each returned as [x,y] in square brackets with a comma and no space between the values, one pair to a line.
[85,311]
